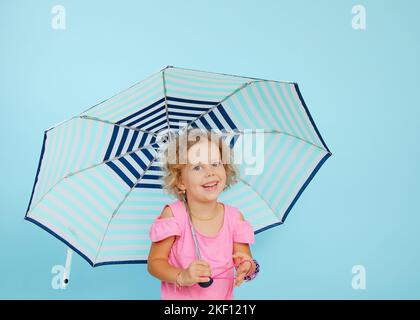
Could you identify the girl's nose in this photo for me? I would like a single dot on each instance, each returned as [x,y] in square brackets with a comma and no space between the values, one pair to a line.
[209,170]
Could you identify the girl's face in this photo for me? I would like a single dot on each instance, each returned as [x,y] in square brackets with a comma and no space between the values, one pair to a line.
[204,167]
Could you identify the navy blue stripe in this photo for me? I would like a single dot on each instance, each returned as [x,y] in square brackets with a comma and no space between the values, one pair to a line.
[233,141]
[107,263]
[191,101]
[310,117]
[142,141]
[192,115]
[122,142]
[120,173]
[215,120]
[156,125]
[140,111]
[148,154]
[155,168]
[268,227]
[150,176]
[148,116]
[37,171]
[111,143]
[170,106]
[133,141]
[174,124]
[137,159]
[129,167]
[142,125]
[205,123]
[226,117]
[150,186]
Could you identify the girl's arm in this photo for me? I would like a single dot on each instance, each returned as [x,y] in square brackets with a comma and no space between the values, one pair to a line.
[243,250]
[157,262]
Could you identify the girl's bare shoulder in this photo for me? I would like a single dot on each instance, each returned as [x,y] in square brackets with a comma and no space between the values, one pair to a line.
[166,212]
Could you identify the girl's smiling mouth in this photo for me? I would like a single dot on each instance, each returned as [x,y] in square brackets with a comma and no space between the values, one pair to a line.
[211,186]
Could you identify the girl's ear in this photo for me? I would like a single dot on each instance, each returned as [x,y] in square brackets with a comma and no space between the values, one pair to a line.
[181,187]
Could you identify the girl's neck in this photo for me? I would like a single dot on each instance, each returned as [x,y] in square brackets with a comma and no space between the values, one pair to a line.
[203,209]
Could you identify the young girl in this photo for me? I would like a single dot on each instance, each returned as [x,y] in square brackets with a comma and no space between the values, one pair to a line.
[197,240]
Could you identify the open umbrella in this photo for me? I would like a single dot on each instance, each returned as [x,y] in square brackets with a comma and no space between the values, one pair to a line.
[98,186]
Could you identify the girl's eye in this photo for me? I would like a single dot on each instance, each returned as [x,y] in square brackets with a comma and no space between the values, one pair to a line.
[215,164]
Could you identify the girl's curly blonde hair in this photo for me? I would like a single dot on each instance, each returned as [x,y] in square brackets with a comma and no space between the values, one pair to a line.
[174,158]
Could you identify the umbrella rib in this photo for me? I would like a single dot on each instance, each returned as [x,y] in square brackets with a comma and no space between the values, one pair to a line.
[120,204]
[118,125]
[166,101]
[236,91]
[90,167]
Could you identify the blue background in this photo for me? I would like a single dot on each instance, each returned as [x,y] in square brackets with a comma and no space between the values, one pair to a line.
[360,87]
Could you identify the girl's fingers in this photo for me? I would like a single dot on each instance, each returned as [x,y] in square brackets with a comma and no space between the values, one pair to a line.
[239,278]
[204,271]
[202,279]
[238,283]
[243,268]
[240,275]
[202,263]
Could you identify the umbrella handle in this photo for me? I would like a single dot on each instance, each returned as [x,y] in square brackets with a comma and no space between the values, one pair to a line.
[67,268]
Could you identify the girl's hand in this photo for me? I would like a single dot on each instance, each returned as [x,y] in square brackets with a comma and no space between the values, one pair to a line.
[198,271]
[243,268]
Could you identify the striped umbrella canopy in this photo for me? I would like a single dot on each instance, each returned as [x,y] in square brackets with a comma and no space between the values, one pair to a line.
[99,183]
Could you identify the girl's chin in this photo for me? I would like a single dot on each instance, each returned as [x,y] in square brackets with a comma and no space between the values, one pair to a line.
[210,194]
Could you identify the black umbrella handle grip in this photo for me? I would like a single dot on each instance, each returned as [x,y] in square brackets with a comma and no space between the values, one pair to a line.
[206,284]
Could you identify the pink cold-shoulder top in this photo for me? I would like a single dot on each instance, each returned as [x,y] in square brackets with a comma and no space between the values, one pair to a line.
[216,250]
